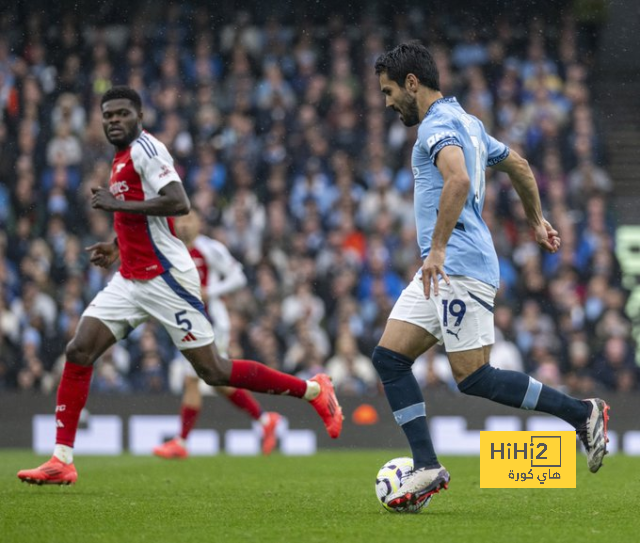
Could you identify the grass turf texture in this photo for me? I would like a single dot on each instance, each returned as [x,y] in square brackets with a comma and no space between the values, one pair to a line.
[324,498]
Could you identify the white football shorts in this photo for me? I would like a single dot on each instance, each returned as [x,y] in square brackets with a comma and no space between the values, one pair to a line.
[173,299]
[222,330]
[461,316]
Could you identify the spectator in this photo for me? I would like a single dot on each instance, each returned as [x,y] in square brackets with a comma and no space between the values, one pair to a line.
[351,371]
[280,135]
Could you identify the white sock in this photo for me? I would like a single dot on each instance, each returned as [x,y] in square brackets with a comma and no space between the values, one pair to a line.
[313,390]
[63,453]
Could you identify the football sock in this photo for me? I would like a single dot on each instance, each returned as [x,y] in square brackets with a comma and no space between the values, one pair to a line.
[407,403]
[257,377]
[244,400]
[520,390]
[188,418]
[313,390]
[264,418]
[63,453]
[73,392]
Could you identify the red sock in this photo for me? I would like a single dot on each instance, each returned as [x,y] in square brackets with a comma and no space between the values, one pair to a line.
[243,399]
[73,391]
[257,377]
[188,416]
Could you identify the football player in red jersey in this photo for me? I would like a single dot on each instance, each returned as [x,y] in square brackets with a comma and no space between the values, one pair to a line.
[220,274]
[157,278]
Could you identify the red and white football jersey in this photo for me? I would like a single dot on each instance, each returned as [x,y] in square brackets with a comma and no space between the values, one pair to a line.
[148,245]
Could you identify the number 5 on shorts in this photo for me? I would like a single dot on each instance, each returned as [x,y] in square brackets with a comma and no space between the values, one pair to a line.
[185,324]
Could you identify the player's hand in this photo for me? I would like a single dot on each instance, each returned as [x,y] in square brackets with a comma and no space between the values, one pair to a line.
[547,237]
[103,254]
[432,269]
[103,199]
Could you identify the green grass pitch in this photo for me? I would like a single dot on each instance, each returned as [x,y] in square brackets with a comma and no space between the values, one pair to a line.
[328,497]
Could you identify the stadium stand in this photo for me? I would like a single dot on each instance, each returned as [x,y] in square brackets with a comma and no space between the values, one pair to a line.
[279,133]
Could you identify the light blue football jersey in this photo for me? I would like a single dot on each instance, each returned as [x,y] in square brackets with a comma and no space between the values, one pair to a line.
[470,250]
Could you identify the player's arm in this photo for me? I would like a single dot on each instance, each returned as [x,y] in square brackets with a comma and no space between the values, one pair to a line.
[172,200]
[104,253]
[450,162]
[523,180]
[234,280]
[233,277]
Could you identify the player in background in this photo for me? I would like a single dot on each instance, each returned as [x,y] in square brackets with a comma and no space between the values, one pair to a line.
[157,278]
[220,274]
[451,297]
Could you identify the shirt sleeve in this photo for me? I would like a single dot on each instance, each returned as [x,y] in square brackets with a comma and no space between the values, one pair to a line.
[496,151]
[220,260]
[153,163]
[434,137]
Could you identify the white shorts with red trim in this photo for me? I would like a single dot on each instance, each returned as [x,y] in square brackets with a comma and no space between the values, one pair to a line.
[173,299]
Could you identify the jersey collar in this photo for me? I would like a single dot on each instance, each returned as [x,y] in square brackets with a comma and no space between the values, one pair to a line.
[445,99]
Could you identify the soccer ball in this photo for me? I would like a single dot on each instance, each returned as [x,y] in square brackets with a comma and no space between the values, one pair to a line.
[390,478]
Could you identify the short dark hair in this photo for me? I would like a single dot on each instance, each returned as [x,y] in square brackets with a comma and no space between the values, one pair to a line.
[409,58]
[122,92]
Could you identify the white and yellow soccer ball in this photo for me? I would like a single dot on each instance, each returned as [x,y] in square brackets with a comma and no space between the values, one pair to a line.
[389,479]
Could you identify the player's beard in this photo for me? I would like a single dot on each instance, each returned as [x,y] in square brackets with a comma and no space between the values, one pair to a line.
[123,139]
[409,111]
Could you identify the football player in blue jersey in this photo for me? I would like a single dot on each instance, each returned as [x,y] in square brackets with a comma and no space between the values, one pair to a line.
[451,298]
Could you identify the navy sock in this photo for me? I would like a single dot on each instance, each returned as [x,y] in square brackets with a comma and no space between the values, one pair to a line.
[519,390]
[407,403]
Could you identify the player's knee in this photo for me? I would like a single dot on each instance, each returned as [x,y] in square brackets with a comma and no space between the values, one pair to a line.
[389,364]
[478,382]
[79,353]
[214,370]
[211,376]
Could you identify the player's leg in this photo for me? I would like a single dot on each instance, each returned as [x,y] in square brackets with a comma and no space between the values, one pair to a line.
[108,318]
[216,370]
[189,412]
[476,377]
[174,300]
[247,402]
[91,339]
[406,336]
[401,343]
[470,318]
[241,398]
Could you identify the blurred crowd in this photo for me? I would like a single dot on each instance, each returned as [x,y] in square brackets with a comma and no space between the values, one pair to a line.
[281,137]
